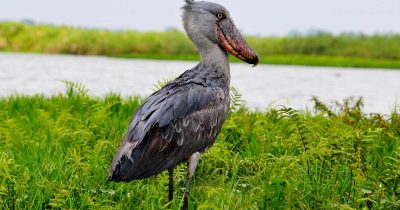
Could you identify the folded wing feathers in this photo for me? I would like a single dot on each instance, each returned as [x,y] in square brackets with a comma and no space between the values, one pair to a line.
[183,114]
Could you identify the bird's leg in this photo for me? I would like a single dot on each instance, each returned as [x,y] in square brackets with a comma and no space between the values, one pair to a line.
[192,164]
[171,184]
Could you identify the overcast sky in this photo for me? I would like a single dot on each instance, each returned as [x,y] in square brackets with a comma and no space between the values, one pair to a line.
[256,17]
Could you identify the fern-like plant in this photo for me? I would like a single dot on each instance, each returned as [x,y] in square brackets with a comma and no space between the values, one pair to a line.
[75,87]
[236,99]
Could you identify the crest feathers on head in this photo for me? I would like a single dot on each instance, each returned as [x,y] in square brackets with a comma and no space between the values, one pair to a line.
[189,1]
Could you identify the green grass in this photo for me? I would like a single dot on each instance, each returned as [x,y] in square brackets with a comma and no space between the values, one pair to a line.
[319,49]
[55,153]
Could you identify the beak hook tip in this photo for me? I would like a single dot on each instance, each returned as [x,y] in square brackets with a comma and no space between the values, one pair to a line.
[256,63]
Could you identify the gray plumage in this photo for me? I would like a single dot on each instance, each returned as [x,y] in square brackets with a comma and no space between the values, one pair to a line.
[183,119]
[180,119]
[186,115]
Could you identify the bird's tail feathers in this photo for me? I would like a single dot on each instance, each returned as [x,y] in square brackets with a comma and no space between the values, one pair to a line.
[122,161]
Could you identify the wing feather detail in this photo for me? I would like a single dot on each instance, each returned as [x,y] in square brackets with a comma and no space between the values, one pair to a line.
[168,127]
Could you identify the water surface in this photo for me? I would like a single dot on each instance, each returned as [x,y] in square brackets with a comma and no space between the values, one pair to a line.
[262,86]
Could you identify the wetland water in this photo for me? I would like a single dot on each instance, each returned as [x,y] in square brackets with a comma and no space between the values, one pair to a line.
[263,86]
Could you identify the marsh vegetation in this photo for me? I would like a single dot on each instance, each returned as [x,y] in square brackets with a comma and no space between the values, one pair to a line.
[318,49]
[55,153]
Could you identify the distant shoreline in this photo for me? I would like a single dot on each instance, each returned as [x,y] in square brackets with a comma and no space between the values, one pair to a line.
[319,49]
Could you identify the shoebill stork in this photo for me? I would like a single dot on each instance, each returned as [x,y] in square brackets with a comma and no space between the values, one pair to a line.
[183,119]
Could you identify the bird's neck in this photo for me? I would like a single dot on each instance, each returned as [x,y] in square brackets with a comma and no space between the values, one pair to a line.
[215,59]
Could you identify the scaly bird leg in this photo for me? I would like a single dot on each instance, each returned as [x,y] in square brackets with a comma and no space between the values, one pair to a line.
[192,164]
[171,184]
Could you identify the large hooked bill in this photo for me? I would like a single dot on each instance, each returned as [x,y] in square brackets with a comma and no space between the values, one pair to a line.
[232,41]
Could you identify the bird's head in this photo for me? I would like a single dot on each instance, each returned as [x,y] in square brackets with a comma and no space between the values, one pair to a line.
[207,22]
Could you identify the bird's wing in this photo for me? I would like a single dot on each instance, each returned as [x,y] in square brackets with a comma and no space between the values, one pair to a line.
[177,113]
[170,104]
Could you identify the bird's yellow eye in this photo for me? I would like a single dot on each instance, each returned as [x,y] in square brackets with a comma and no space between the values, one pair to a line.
[220,15]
